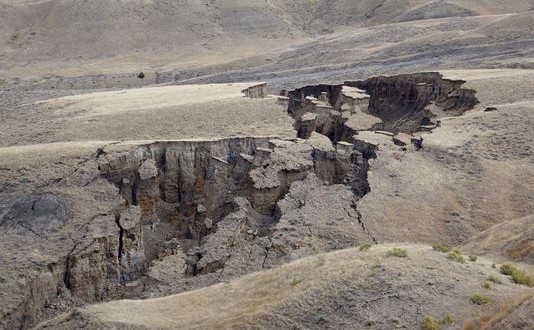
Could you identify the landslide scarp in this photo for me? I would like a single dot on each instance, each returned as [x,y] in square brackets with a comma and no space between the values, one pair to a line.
[406,103]
[213,210]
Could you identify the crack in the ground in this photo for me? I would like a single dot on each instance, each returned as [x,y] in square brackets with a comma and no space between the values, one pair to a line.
[267,250]
[33,231]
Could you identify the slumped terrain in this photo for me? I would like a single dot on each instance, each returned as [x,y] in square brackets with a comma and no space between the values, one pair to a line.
[266,164]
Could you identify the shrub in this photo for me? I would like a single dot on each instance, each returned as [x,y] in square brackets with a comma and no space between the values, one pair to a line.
[478,299]
[456,255]
[519,276]
[295,281]
[487,285]
[494,279]
[447,319]
[493,266]
[430,324]
[398,252]
[441,248]
[473,258]
[375,270]
[365,246]
[141,75]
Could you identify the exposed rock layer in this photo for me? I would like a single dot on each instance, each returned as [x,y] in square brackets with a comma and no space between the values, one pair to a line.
[235,205]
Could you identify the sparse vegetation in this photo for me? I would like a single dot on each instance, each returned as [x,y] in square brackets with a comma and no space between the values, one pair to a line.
[519,276]
[441,248]
[489,319]
[479,299]
[398,252]
[448,319]
[295,281]
[456,255]
[494,279]
[430,324]
[375,270]
[365,246]
[473,258]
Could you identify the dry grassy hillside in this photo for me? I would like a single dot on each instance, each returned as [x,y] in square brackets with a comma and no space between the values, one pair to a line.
[349,289]
[511,240]
[69,37]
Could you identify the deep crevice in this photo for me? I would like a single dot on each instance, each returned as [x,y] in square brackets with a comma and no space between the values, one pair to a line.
[183,189]
[121,237]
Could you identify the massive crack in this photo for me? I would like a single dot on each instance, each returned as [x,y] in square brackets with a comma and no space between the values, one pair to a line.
[185,189]
[237,205]
[401,105]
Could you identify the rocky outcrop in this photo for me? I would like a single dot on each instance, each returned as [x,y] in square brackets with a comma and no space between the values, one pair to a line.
[182,190]
[256,92]
[353,99]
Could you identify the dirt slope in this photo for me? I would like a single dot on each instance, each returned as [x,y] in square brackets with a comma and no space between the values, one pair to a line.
[511,240]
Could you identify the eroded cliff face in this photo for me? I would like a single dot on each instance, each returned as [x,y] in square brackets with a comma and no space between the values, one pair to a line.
[183,190]
[412,102]
[211,202]
[231,205]
[405,103]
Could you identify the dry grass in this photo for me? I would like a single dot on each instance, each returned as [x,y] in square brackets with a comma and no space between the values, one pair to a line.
[430,324]
[519,276]
[456,255]
[264,299]
[144,99]
[364,246]
[479,299]
[511,240]
[489,319]
[153,113]
[398,252]
[494,279]
[441,248]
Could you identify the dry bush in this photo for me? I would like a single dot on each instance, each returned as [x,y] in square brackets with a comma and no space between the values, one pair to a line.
[430,324]
[479,299]
[441,248]
[519,276]
[456,255]
[398,252]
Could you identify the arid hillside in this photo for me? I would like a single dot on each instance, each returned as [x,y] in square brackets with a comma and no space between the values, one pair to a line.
[47,39]
[270,164]
[374,289]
